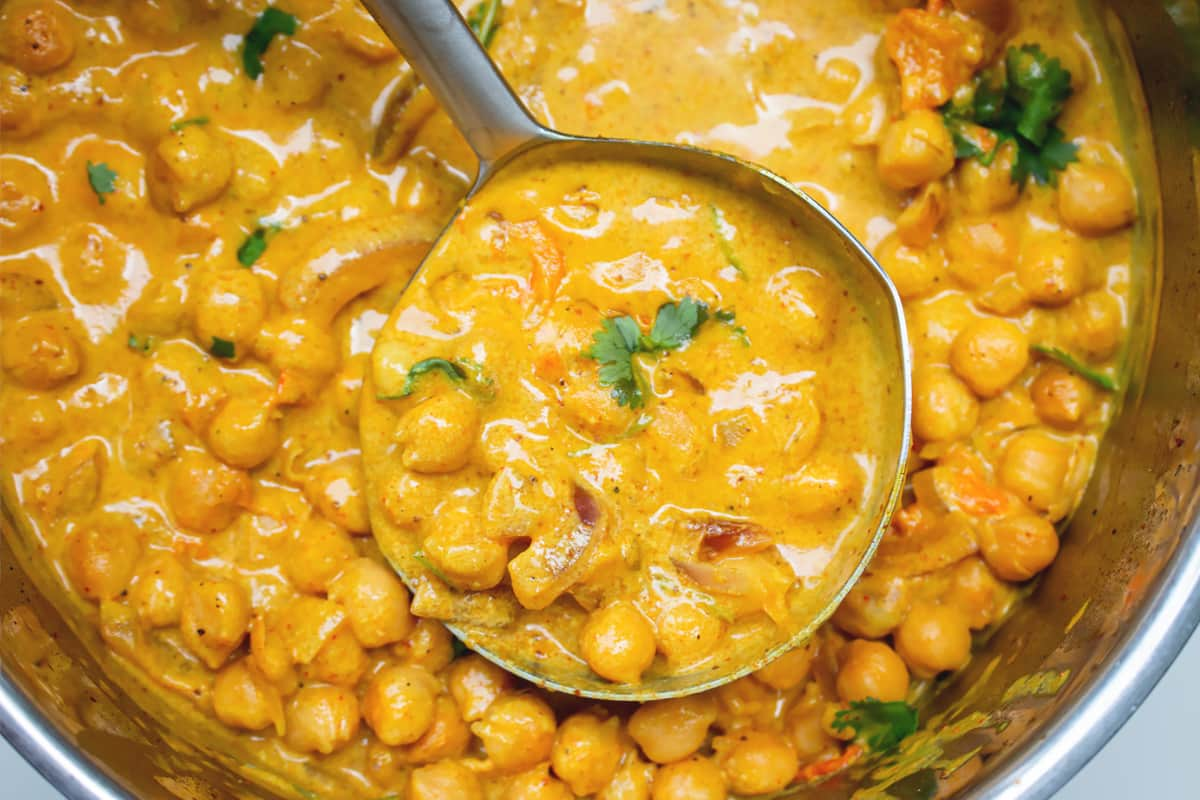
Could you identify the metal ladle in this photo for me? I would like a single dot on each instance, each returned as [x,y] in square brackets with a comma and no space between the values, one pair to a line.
[448,57]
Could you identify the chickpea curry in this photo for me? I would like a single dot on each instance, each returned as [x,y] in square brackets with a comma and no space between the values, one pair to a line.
[209,211]
[623,410]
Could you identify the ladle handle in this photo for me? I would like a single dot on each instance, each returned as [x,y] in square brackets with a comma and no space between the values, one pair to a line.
[448,57]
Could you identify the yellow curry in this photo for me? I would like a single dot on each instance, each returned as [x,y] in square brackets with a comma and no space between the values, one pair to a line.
[623,410]
[208,211]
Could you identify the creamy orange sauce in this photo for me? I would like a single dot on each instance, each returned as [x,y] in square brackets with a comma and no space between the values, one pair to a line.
[714,493]
[179,431]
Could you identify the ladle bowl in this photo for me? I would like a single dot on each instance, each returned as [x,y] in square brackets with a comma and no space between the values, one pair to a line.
[448,57]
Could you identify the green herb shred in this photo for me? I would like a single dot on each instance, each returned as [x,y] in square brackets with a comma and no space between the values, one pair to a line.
[179,125]
[222,348]
[484,20]
[270,23]
[878,725]
[1075,365]
[102,180]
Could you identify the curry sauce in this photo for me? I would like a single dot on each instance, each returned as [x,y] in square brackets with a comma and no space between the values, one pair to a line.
[209,210]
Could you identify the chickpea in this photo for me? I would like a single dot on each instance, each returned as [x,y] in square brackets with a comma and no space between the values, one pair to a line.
[156,594]
[321,719]
[21,107]
[758,762]
[824,485]
[438,434]
[214,620]
[204,494]
[975,591]
[618,642]
[806,731]
[475,683]
[944,408]
[1035,466]
[934,638]
[1061,397]
[789,670]
[632,781]
[808,305]
[982,250]
[294,73]
[687,631]
[189,168]
[989,354]
[398,704]
[871,670]
[1017,548]
[319,551]
[245,432]
[537,784]
[590,407]
[469,559]
[447,737]
[915,271]
[672,730]
[38,36]
[517,732]
[920,220]
[39,351]
[1097,322]
[587,751]
[306,624]
[375,601]
[24,195]
[984,189]
[242,698]
[29,419]
[229,305]
[101,558]
[302,351]
[915,150]
[429,645]
[445,780]
[340,661]
[1094,199]
[270,652]
[1052,269]
[697,778]
[338,491]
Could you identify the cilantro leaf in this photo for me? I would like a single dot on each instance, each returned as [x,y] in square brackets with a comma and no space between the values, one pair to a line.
[453,371]
[620,339]
[256,244]
[1075,365]
[222,348]
[1017,102]
[102,180]
[1040,86]
[270,23]
[614,346]
[880,726]
[675,324]
[484,20]
[179,125]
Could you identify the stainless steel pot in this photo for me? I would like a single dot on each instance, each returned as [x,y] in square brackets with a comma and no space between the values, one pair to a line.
[1044,694]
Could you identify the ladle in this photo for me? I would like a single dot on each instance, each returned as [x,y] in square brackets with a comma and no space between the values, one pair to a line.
[448,57]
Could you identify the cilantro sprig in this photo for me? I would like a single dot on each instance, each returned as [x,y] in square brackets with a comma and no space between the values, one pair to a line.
[1018,101]
[484,20]
[1075,365]
[270,23]
[620,340]
[878,725]
[102,180]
